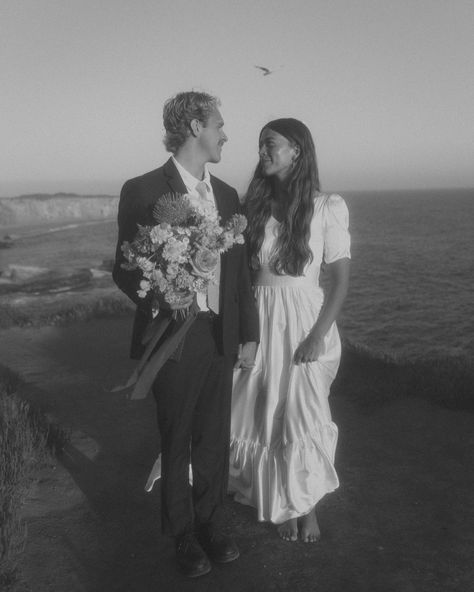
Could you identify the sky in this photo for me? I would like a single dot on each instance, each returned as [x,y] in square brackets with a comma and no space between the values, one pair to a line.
[386,87]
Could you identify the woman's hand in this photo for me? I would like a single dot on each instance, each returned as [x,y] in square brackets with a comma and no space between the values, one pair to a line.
[312,347]
[309,349]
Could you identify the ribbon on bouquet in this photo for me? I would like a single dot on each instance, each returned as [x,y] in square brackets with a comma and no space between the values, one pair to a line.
[148,367]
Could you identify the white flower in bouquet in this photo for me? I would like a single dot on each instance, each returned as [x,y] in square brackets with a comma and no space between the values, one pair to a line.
[174,250]
[205,208]
[205,262]
[145,286]
[160,234]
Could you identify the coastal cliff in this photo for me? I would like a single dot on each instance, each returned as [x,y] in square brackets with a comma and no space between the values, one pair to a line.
[43,208]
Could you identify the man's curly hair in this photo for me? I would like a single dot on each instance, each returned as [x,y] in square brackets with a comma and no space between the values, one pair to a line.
[180,110]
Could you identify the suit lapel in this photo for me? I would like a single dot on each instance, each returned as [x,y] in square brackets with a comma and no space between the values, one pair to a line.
[224,210]
[173,178]
[222,203]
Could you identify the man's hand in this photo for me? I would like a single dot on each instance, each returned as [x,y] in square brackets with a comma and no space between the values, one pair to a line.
[246,357]
[184,302]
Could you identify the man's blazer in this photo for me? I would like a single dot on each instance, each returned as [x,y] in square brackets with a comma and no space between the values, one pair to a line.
[238,319]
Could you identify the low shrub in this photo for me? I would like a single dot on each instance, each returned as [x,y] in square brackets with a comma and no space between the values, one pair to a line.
[41,312]
[373,378]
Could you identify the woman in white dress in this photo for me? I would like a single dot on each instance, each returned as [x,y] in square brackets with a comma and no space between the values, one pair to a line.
[283,439]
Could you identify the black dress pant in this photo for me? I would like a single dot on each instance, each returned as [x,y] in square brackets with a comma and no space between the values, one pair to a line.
[193,406]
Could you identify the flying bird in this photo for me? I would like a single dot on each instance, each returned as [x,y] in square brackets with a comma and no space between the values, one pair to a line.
[266,71]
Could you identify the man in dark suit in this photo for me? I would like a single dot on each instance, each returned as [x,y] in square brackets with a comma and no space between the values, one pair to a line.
[193,389]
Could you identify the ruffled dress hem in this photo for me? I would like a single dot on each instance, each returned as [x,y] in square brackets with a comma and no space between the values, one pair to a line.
[298,474]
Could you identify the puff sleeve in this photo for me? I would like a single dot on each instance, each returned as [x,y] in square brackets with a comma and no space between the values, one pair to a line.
[337,240]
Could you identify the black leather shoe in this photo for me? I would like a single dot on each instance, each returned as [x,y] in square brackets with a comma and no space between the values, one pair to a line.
[218,546]
[191,559]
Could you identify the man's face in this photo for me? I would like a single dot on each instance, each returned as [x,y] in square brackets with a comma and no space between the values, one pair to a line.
[212,137]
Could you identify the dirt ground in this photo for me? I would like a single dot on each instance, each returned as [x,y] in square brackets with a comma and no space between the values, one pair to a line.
[401,521]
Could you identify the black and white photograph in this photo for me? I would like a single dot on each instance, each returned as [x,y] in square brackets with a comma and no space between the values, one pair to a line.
[236,296]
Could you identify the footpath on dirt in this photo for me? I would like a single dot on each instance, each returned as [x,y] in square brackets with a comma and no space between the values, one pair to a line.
[401,521]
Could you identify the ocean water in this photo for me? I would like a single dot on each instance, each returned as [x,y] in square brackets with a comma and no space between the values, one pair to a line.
[412,273]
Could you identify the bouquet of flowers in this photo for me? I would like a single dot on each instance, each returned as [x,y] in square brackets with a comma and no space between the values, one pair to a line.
[177,257]
[180,254]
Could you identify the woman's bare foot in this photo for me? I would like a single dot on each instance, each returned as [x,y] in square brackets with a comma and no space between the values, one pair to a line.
[309,527]
[288,531]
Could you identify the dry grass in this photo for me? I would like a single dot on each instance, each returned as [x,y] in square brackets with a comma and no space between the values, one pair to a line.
[26,439]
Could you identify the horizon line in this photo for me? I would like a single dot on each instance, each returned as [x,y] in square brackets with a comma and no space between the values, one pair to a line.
[342,191]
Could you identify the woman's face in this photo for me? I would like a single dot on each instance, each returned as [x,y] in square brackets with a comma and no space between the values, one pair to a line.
[277,154]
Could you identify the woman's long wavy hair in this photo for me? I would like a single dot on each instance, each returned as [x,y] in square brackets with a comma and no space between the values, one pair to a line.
[292,251]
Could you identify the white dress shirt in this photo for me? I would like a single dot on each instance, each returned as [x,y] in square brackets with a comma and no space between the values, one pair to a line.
[191,183]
